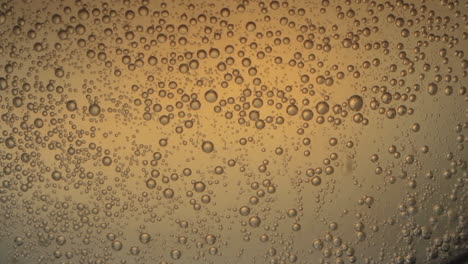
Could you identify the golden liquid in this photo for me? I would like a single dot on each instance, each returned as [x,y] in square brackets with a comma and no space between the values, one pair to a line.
[233,131]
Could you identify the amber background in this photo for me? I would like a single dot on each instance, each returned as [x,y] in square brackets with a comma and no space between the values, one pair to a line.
[131,140]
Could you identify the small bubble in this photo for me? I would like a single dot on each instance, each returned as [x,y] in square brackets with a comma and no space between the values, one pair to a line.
[207,146]
[355,102]
[94,109]
[56,175]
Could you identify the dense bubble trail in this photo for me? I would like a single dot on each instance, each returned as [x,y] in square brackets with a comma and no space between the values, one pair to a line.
[224,132]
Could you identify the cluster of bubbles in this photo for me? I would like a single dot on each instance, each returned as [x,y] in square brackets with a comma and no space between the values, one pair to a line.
[271,131]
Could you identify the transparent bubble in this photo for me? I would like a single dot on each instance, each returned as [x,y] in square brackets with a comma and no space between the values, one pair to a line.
[211,96]
[56,175]
[94,109]
[116,245]
[254,221]
[322,107]
[355,102]
[250,26]
[72,105]
[150,183]
[207,146]
[145,238]
[199,186]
